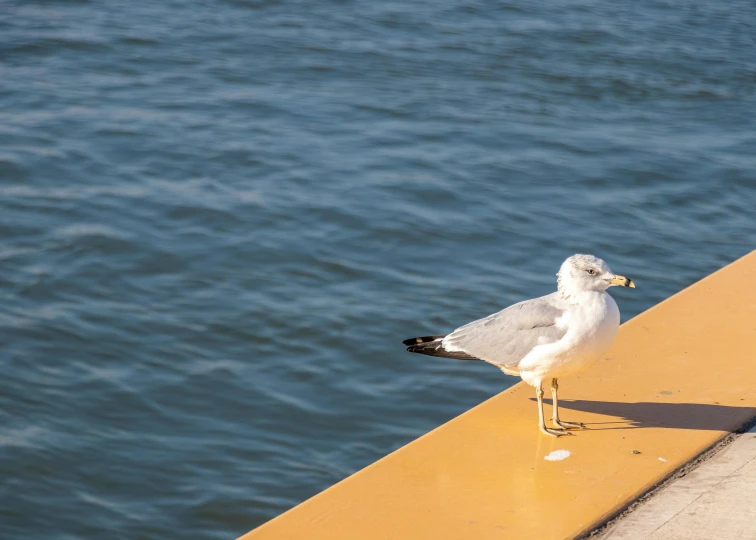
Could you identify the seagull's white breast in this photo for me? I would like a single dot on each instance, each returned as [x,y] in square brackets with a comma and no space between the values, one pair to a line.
[591,322]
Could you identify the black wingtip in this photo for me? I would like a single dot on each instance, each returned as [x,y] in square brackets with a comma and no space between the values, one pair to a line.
[432,346]
[422,339]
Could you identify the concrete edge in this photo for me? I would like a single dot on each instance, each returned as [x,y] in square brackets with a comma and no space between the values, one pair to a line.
[601,531]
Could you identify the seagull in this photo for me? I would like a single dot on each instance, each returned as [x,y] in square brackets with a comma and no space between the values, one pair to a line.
[543,339]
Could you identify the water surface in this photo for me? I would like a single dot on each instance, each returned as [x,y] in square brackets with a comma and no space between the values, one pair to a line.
[218,220]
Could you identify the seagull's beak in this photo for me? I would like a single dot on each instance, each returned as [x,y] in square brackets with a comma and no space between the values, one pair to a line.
[622,281]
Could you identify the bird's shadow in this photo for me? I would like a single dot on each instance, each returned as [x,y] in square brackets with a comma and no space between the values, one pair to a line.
[701,416]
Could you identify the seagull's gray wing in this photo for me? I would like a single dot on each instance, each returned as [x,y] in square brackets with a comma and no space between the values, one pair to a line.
[506,337]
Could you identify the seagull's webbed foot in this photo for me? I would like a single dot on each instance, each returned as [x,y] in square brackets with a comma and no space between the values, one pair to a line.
[553,432]
[567,425]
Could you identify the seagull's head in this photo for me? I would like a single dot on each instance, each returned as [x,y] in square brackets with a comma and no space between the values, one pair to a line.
[581,273]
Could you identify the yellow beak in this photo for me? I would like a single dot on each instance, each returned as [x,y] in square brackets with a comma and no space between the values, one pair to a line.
[622,281]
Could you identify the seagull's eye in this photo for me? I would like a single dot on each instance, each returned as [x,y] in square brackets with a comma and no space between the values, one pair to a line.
[591,271]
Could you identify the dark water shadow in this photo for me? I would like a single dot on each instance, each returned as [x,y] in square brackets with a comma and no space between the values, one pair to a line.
[703,416]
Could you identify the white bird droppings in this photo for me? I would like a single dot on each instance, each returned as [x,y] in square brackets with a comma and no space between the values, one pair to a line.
[557,455]
[662,459]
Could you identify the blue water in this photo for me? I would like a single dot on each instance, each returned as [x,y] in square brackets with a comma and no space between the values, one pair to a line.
[218,220]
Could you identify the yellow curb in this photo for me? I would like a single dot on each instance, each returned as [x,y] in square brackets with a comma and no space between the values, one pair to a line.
[678,378]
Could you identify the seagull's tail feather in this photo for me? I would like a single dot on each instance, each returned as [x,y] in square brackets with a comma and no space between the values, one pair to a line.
[432,346]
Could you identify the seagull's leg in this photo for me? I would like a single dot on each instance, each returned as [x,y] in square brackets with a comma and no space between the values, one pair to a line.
[555,415]
[541,424]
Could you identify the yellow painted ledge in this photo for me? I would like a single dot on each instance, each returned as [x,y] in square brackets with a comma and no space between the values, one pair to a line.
[678,378]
